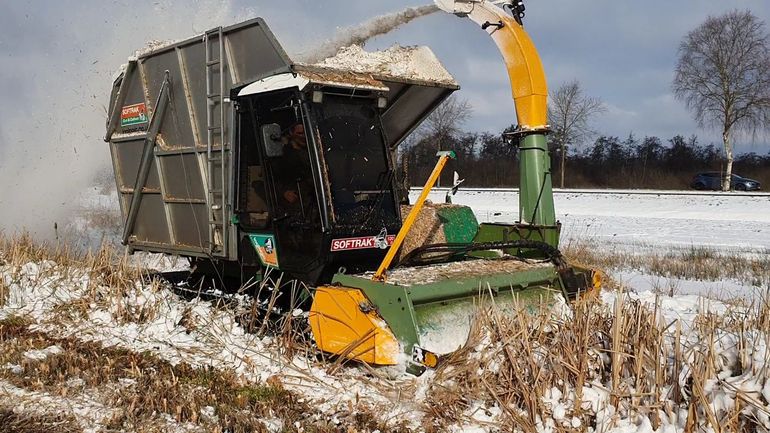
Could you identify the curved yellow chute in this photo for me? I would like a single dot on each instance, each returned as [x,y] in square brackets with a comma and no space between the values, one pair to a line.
[525,69]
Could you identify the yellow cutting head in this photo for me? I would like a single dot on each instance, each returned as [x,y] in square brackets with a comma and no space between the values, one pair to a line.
[345,323]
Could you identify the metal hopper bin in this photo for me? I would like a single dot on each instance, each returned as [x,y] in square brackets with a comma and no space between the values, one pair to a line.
[178,135]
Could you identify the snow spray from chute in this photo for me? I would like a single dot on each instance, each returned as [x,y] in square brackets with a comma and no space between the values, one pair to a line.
[54,151]
[359,34]
[51,147]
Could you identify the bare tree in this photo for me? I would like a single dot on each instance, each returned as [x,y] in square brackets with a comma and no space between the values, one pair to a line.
[570,113]
[723,76]
[446,121]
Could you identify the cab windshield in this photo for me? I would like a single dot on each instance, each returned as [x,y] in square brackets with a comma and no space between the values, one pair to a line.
[360,180]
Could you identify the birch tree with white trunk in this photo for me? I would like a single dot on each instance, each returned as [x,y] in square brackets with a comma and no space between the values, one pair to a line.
[723,77]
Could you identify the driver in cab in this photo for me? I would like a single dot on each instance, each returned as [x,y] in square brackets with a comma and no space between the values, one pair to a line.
[294,167]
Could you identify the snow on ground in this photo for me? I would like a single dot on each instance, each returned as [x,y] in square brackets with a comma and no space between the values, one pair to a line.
[633,218]
[721,290]
[151,320]
[684,308]
[145,319]
[618,219]
[646,221]
[89,413]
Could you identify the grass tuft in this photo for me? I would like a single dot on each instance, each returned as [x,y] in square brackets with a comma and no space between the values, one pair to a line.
[21,422]
[693,263]
[12,326]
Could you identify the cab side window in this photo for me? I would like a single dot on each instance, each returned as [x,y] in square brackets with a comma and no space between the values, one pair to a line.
[252,189]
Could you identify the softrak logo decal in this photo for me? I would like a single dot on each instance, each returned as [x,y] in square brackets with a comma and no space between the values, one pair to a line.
[132,115]
[363,243]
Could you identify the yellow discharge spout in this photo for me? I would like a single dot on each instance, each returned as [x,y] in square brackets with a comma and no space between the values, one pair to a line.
[525,69]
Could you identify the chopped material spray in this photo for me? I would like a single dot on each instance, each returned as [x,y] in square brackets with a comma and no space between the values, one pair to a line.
[359,34]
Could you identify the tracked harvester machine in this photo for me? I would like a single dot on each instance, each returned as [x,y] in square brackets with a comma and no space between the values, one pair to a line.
[229,153]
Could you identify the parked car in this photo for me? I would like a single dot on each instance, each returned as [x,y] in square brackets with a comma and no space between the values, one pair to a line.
[713,180]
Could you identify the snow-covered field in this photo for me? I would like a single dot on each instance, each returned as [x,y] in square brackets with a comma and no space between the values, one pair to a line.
[72,304]
[646,222]
[700,363]
[633,218]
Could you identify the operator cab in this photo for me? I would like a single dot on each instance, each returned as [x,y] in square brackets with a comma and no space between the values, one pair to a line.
[315,185]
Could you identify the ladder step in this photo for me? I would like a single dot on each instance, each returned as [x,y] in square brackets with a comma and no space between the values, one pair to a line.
[212,62]
[214,95]
[215,191]
[216,223]
[214,128]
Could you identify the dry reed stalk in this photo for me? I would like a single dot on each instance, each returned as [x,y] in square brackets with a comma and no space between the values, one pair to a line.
[617,347]
[524,355]
[583,318]
[14,420]
[733,419]
[5,291]
[660,359]
[638,363]
[270,305]
[514,359]
[677,363]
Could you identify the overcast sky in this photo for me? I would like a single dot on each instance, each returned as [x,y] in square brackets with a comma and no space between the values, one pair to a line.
[58,58]
[623,52]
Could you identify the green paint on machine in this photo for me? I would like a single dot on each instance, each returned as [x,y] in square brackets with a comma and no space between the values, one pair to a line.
[408,309]
[460,224]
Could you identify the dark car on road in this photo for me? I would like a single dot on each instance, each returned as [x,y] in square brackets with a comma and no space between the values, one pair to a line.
[713,180]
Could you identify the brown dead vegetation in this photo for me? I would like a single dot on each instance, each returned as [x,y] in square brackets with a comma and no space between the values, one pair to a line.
[693,263]
[513,362]
[4,292]
[519,362]
[20,422]
[142,387]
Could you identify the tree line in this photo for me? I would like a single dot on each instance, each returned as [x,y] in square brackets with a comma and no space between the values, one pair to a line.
[489,160]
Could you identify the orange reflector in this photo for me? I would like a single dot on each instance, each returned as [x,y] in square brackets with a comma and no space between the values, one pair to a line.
[424,357]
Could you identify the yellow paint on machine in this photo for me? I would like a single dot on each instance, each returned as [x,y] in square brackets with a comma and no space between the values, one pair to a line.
[344,323]
[528,83]
[525,69]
